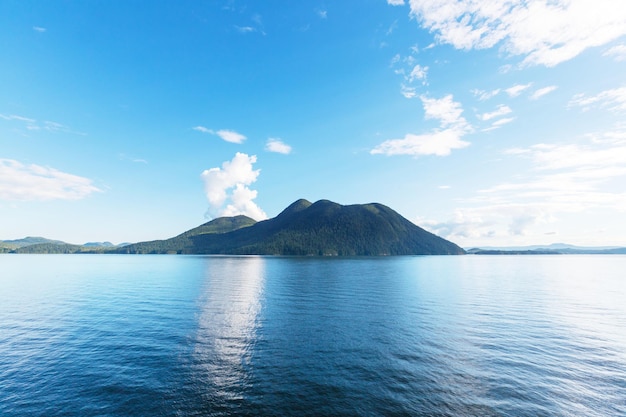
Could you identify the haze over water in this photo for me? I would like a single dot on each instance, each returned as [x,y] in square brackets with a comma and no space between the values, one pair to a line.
[109,335]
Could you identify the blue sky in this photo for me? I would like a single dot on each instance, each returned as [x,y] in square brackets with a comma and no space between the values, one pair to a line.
[487,122]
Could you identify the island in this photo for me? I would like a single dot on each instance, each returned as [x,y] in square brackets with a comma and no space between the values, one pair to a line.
[323,228]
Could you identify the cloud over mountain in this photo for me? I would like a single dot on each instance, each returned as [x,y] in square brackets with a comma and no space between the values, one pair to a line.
[227,188]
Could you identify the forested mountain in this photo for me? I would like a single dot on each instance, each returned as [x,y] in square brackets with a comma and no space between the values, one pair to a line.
[320,229]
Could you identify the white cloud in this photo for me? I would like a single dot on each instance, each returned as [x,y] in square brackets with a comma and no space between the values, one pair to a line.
[34,125]
[227,189]
[18,118]
[543,32]
[323,14]
[517,89]
[502,122]
[499,123]
[202,129]
[408,92]
[124,157]
[410,71]
[613,100]
[564,178]
[542,92]
[512,91]
[446,110]
[396,2]
[245,29]
[225,134]
[418,73]
[439,143]
[39,29]
[278,146]
[442,141]
[230,136]
[618,52]
[500,111]
[393,27]
[485,95]
[20,182]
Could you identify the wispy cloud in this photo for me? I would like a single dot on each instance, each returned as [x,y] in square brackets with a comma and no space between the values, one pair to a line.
[563,178]
[502,122]
[323,14]
[35,125]
[125,157]
[440,142]
[618,52]
[407,91]
[517,89]
[225,134]
[485,95]
[245,29]
[500,111]
[202,129]
[255,27]
[543,32]
[18,118]
[39,29]
[22,182]
[411,72]
[227,188]
[396,2]
[613,100]
[278,146]
[418,73]
[512,91]
[542,92]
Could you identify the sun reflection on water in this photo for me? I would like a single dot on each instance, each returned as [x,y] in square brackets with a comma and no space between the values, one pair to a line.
[227,325]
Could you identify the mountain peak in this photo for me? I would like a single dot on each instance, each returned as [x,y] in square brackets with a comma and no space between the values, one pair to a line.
[295,207]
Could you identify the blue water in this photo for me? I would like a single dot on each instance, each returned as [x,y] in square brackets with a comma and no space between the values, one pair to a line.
[109,335]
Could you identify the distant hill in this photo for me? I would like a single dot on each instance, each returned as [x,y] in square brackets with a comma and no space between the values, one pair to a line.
[320,229]
[30,240]
[552,249]
[53,248]
[43,245]
[98,244]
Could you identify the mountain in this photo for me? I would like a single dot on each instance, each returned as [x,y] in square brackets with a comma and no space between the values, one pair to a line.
[98,245]
[323,228]
[43,245]
[55,248]
[187,242]
[30,240]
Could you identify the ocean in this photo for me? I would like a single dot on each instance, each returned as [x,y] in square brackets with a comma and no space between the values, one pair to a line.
[159,335]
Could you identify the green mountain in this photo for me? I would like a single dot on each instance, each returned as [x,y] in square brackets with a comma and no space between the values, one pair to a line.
[30,240]
[55,248]
[320,229]
[43,245]
[187,241]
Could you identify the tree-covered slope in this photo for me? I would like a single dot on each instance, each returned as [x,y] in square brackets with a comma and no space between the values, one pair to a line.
[320,229]
[186,242]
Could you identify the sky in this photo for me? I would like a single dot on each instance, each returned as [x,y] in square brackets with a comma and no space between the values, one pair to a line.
[487,122]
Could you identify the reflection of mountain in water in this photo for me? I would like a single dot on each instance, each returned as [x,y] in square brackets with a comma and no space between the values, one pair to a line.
[227,322]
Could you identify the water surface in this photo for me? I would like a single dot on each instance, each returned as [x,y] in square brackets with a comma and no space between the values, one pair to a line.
[109,335]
